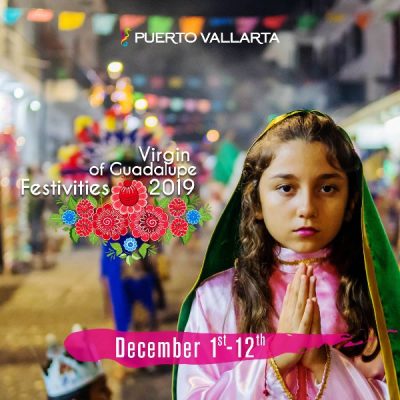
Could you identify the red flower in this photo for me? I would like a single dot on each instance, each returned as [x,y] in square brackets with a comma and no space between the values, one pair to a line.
[129,197]
[109,223]
[177,207]
[85,209]
[179,227]
[84,227]
[151,223]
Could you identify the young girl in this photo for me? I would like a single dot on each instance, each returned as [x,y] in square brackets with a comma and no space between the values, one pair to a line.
[298,249]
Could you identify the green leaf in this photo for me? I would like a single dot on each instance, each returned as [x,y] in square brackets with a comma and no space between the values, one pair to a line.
[56,219]
[117,247]
[191,228]
[66,228]
[62,209]
[207,209]
[186,199]
[191,207]
[72,203]
[111,254]
[93,238]
[73,235]
[136,256]
[92,200]
[123,256]
[168,236]
[143,249]
[206,217]
[194,200]
[129,260]
[152,250]
[155,201]
[187,237]
[163,202]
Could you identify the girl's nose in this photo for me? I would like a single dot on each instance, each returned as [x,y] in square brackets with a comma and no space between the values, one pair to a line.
[307,207]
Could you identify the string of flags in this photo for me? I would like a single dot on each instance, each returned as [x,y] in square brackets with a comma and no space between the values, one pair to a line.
[193,82]
[103,23]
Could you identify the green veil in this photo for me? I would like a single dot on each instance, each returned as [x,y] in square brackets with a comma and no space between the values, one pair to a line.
[382,270]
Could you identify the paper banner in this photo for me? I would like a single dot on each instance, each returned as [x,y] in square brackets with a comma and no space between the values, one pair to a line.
[221,21]
[11,15]
[175,82]
[191,24]
[164,102]
[69,21]
[334,17]
[245,24]
[103,24]
[40,15]
[131,21]
[157,82]
[152,100]
[194,82]
[363,19]
[307,22]
[275,22]
[158,24]
[190,105]
[139,80]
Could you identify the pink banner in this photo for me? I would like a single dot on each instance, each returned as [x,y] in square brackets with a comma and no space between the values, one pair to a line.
[141,349]
[245,24]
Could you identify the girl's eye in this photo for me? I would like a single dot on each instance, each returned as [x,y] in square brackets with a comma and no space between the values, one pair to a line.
[285,188]
[328,188]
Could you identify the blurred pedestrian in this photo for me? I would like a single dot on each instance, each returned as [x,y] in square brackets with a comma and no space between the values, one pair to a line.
[36,209]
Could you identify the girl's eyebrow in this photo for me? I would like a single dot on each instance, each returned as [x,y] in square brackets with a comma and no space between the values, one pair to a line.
[332,175]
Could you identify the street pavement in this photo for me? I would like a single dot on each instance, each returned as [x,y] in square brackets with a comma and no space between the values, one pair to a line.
[52,301]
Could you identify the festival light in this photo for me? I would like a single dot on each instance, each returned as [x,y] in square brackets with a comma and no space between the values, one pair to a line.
[141,105]
[35,105]
[114,69]
[18,92]
[20,141]
[151,121]
[212,135]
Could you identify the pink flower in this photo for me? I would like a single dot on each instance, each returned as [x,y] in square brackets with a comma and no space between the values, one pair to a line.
[84,227]
[150,223]
[109,223]
[85,209]
[179,227]
[177,207]
[129,197]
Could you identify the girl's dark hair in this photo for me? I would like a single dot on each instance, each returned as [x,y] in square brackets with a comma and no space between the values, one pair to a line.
[256,258]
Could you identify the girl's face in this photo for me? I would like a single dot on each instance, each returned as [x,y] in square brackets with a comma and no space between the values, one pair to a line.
[303,197]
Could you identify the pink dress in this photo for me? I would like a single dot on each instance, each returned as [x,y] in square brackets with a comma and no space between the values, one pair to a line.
[213,312]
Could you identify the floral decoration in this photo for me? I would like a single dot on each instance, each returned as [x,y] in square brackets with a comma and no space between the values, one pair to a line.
[179,227]
[109,223]
[129,197]
[84,227]
[177,207]
[130,222]
[69,217]
[130,244]
[85,209]
[151,223]
[193,217]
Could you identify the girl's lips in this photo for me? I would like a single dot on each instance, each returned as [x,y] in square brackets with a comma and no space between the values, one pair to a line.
[304,232]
